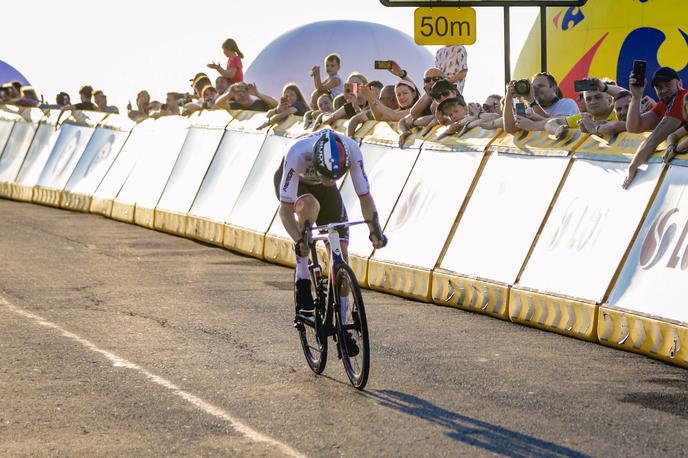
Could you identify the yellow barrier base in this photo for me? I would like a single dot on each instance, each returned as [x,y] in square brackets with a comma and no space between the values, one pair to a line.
[648,336]
[101,206]
[551,313]
[244,240]
[470,294]
[170,222]
[144,217]
[359,265]
[46,196]
[21,192]
[279,250]
[122,212]
[205,230]
[6,190]
[407,281]
[76,202]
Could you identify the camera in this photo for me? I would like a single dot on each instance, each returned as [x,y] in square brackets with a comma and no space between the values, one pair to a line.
[522,87]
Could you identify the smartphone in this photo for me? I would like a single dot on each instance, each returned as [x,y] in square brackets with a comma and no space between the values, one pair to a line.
[354,88]
[520,109]
[383,64]
[584,85]
[639,69]
[283,99]
[347,88]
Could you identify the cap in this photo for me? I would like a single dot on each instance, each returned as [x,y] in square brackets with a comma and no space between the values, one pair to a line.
[664,74]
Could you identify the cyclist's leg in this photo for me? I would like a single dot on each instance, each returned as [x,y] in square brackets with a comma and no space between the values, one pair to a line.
[306,208]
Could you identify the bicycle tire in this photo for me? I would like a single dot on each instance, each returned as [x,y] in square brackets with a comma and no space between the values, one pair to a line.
[357,366]
[312,334]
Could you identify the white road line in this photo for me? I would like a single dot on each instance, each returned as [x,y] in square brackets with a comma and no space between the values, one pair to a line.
[218,412]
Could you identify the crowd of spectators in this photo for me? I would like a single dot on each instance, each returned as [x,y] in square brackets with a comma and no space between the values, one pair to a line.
[602,107]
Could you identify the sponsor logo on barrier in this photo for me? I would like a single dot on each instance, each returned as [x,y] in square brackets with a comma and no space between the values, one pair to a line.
[102,154]
[579,227]
[661,238]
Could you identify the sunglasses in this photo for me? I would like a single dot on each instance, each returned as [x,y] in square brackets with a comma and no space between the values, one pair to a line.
[431,79]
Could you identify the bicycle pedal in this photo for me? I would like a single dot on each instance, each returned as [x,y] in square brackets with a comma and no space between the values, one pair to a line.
[298,325]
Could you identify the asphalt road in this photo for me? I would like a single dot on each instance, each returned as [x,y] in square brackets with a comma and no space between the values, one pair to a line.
[118,340]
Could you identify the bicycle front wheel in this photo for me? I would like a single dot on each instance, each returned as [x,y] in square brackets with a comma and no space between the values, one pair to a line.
[352,328]
[311,326]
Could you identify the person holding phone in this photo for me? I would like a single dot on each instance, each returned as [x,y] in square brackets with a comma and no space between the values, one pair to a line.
[600,110]
[292,102]
[662,120]
[333,84]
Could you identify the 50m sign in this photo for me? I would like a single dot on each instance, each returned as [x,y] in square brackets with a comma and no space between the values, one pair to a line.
[444,26]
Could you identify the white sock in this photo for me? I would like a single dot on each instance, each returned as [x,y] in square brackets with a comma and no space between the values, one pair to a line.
[302,268]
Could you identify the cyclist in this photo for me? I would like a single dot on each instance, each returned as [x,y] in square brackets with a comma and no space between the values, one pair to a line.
[305,184]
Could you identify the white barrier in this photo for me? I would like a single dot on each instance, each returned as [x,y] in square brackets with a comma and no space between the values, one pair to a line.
[15,150]
[141,191]
[224,179]
[199,147]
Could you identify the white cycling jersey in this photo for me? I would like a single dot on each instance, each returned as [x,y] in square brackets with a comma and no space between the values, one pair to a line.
[298,167]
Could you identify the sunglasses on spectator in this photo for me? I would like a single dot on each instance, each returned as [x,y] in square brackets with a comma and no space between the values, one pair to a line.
[433,79]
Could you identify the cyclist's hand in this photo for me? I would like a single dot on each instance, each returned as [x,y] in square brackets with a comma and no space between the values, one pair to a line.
[378,242]
[301,248]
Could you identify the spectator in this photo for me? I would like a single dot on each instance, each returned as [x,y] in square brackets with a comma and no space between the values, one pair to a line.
[406,94]
[292,102]
[454,109]
[423,111]
[452,61]
[221,85]
[245,96]
[234,72]
[206,101]
[325,106]
[600,111]
[28,97]
[86,92]
[486,116]
[172,102]
[142,105]
[62,99]
[674,142]
[333,84]
[388,97]
[549,102]
[622,100]
[665,118]
[355,102]
[101,103]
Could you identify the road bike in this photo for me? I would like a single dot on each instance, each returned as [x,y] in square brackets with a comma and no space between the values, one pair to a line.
[328,317]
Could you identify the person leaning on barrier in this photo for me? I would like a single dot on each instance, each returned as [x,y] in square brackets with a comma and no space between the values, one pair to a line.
[423,110]
[665,118]
[545,101]
[355,103]
[677,141]
[292,102]
[101,103]
[245,96]
[142,105]
[325,105]
[86,92]
[486,116]
[600,111]
[371,93]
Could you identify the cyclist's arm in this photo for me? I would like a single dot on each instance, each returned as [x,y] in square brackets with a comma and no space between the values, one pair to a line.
[288,218]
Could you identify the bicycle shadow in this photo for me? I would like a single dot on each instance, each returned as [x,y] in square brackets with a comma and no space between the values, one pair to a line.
[471,431]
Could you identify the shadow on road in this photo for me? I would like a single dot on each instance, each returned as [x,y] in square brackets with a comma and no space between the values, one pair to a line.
[471,431]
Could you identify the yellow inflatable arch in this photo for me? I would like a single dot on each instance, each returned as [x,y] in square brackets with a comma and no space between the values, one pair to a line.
[603,38]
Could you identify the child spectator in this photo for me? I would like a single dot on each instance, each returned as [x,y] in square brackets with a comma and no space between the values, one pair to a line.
[245,96]
[355,102]
[234,72]
[333,83]
[172,103]
[325,106]
[291,103]
[453,109]
[142,105]
[221,85]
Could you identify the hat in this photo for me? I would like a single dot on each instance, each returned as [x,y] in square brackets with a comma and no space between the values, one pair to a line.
[664,74]
[442,86]
[200,81]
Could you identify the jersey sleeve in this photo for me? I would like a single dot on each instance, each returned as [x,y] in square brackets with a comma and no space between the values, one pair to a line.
[357,170]
[293,166]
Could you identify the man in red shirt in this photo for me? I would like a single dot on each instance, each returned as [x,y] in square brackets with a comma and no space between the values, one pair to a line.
[662,120]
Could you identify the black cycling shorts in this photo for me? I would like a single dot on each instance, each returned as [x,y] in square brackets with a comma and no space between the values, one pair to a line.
[332,208]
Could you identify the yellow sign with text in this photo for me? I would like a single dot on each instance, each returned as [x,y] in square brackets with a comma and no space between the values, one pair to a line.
[444,26]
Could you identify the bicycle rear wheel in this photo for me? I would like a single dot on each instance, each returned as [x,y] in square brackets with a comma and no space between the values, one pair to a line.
[311,326]
[355,350]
